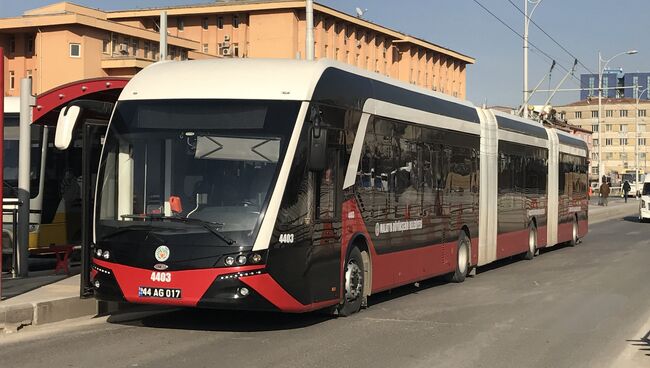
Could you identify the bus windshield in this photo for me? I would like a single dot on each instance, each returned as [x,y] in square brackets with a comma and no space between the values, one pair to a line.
[210,161]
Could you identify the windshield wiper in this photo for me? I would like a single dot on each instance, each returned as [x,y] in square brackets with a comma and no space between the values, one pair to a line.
[210,226]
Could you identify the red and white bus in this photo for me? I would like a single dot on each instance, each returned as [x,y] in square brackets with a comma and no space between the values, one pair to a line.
[294,186]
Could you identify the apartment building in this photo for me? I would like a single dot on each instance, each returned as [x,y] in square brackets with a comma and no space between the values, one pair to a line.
[65,42]
[623,131]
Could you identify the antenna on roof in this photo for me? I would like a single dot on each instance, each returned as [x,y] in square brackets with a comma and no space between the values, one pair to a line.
[360,12]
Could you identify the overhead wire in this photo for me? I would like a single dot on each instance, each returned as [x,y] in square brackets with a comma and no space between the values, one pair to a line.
[522,37]
[550,37]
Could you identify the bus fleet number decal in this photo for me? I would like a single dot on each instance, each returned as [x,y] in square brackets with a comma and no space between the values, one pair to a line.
[286,238]
[161,276]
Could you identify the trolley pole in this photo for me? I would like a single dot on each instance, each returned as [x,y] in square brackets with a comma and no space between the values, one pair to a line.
[27,101]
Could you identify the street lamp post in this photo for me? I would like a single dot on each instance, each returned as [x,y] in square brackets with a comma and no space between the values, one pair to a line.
[636,133]
[601,69]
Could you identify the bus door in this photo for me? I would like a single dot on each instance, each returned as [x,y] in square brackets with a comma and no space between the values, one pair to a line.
[93,133]
[326,239]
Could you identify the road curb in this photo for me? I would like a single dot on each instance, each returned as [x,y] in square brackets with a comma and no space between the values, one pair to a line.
[15,317]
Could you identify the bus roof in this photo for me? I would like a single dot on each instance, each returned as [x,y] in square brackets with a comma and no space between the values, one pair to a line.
[12,105]
[264,79]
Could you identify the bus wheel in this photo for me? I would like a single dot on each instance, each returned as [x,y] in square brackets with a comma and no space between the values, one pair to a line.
[574,233]
[353,278]
[532,242]
[462,266]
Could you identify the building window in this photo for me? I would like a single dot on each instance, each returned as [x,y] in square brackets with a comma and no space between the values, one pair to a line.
[594,114]
[114,43]
[563,115]
[609,156]
[235,49]
[235,21]
[220,22]
[594,156]
[29,44]
[106,46]
[592,82]
[609,141]
[135,46]
[642,155]
[622,113]
[623,156]
[12,79]
[595,142]
[156,51]
[180,24]
[12,44]
[183,54]
[205,48]
[622,128]
[204,23]
[578,114]
[642,128]
[608,127]
[594,128]
[641,113]
[622,141]
[609,113]
[605,86]
[641,142]
[75,50]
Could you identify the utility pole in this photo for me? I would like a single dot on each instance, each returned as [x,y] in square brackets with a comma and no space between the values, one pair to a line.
[309,36]
[163,35]
[526,24]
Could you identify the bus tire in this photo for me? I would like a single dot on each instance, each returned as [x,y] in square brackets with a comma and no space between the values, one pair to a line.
[532,242]
[352,284]
[462,260]
[574,233]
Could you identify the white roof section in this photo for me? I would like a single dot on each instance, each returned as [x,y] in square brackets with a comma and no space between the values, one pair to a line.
[237,78]
[12,105]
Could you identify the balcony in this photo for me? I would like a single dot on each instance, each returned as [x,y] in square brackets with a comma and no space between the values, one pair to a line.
[125,62]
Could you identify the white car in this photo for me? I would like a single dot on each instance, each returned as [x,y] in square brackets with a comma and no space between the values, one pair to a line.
[644,203]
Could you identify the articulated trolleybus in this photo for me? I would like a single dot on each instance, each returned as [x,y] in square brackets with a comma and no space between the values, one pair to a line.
[295,186]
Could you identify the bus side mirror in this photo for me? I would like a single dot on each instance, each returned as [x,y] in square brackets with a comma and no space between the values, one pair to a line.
[318,149]
[65,125]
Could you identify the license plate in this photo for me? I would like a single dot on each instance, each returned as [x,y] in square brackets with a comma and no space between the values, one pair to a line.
[152,292]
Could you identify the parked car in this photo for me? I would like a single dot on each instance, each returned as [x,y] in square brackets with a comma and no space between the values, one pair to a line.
[644,203]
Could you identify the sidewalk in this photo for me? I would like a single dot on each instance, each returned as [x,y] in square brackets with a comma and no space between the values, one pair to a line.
[51,303]
[616,208]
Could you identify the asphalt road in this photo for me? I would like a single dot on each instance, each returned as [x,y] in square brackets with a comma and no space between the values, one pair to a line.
[570,307]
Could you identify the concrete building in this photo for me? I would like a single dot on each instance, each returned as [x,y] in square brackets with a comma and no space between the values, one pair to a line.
[619,130]
[64,42]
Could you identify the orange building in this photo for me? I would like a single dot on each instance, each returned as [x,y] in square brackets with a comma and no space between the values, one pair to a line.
[64,42]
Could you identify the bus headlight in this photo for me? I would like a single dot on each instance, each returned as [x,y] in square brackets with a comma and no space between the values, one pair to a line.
[98,253]
[256,258]
[229,261]
[106,254]
[241,260]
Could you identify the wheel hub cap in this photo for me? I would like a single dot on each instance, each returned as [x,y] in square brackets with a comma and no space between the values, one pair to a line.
[353,281]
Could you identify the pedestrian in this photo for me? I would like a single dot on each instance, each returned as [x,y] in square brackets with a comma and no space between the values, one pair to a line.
[626,189]
[604,192]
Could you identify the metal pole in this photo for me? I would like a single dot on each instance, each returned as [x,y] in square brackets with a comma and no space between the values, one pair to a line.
[309,37]
[636,140]
[2,130]
[24,155]
[525,101]
[163,35]
[600,119]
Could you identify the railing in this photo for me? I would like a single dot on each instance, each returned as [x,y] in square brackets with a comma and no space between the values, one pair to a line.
[10,206]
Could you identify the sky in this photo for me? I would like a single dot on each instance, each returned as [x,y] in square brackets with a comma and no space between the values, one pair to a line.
[583,27]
